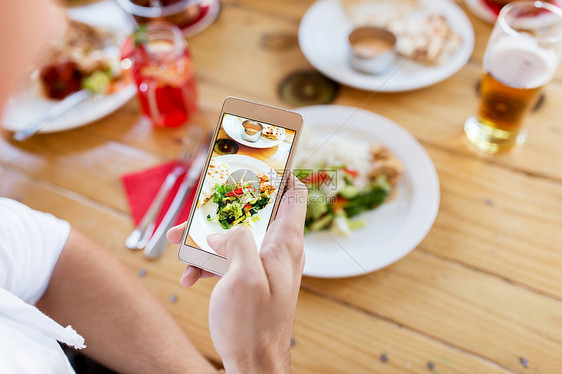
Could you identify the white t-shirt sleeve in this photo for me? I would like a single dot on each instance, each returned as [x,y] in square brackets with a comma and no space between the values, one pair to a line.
[30,245]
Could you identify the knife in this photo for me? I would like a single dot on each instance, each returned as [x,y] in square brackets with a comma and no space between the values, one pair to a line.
[56,111]
[157,243]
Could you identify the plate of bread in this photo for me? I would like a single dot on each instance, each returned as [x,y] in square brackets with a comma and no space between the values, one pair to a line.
[435,39]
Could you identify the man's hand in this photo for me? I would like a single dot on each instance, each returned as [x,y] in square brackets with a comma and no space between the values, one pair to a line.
[252,307]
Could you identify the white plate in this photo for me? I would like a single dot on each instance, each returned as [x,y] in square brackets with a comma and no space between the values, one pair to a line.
[201,228]
[30,104]
[233,125]
[323,36]
[394,228]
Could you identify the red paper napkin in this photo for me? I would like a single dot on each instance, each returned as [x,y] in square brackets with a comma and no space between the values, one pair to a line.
[141,188]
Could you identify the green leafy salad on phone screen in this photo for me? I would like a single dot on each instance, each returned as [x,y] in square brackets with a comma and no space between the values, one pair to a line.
[344,180]
[240,202]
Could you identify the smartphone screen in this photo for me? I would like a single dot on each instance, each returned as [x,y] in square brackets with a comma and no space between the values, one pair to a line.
[242,180]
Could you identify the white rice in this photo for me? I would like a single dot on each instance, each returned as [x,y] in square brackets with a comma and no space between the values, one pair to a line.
[338,151]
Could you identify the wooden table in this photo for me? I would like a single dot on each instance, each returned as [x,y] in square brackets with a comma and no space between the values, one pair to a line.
[484,288]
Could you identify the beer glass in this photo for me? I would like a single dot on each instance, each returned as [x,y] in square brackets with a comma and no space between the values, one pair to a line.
[522,56]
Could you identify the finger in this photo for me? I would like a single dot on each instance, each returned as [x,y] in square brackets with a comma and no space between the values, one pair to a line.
[282,249]
[238,244]
[289,222]
[175,233]
[283,257]
[190,276]
[293,202]
[218,242]
[240,249]
[208,274]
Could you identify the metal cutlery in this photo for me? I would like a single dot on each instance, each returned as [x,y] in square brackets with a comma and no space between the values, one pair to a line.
[140,236]
[55,112]
[157,243]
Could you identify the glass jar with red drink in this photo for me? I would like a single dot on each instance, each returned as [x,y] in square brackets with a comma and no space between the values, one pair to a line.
[162,67]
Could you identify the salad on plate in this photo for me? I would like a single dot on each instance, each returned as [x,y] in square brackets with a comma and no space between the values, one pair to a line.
[352,178]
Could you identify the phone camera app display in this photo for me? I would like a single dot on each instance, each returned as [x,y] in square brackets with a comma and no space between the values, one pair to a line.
[242,180]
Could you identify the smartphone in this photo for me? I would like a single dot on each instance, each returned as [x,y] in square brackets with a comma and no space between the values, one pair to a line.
[243,180]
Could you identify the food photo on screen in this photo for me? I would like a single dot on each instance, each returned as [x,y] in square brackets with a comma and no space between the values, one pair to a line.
[241,183]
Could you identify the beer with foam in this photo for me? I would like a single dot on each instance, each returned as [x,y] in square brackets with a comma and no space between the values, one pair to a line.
[514,74]
[521,58]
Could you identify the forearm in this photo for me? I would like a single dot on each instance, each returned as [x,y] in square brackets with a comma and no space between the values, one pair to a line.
[113,310]
[265,362]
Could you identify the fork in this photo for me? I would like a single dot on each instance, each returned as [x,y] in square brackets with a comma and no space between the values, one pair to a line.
[157,243]
[142,233]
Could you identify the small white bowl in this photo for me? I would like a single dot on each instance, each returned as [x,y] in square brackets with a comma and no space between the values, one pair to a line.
[251,131]
[372,50]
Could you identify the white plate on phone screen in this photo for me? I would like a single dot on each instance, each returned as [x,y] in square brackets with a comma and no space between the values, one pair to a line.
[201,228]
[233,126]
[393,229]
[323,40]
[30,104]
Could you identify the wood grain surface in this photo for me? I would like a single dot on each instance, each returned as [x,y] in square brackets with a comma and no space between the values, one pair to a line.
[482,290]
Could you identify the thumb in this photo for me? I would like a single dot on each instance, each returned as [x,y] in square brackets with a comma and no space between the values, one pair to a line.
[175,233]
[239,247]
[218,241]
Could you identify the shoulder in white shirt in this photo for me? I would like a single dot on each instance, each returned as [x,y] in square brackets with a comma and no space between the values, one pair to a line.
[30,245]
